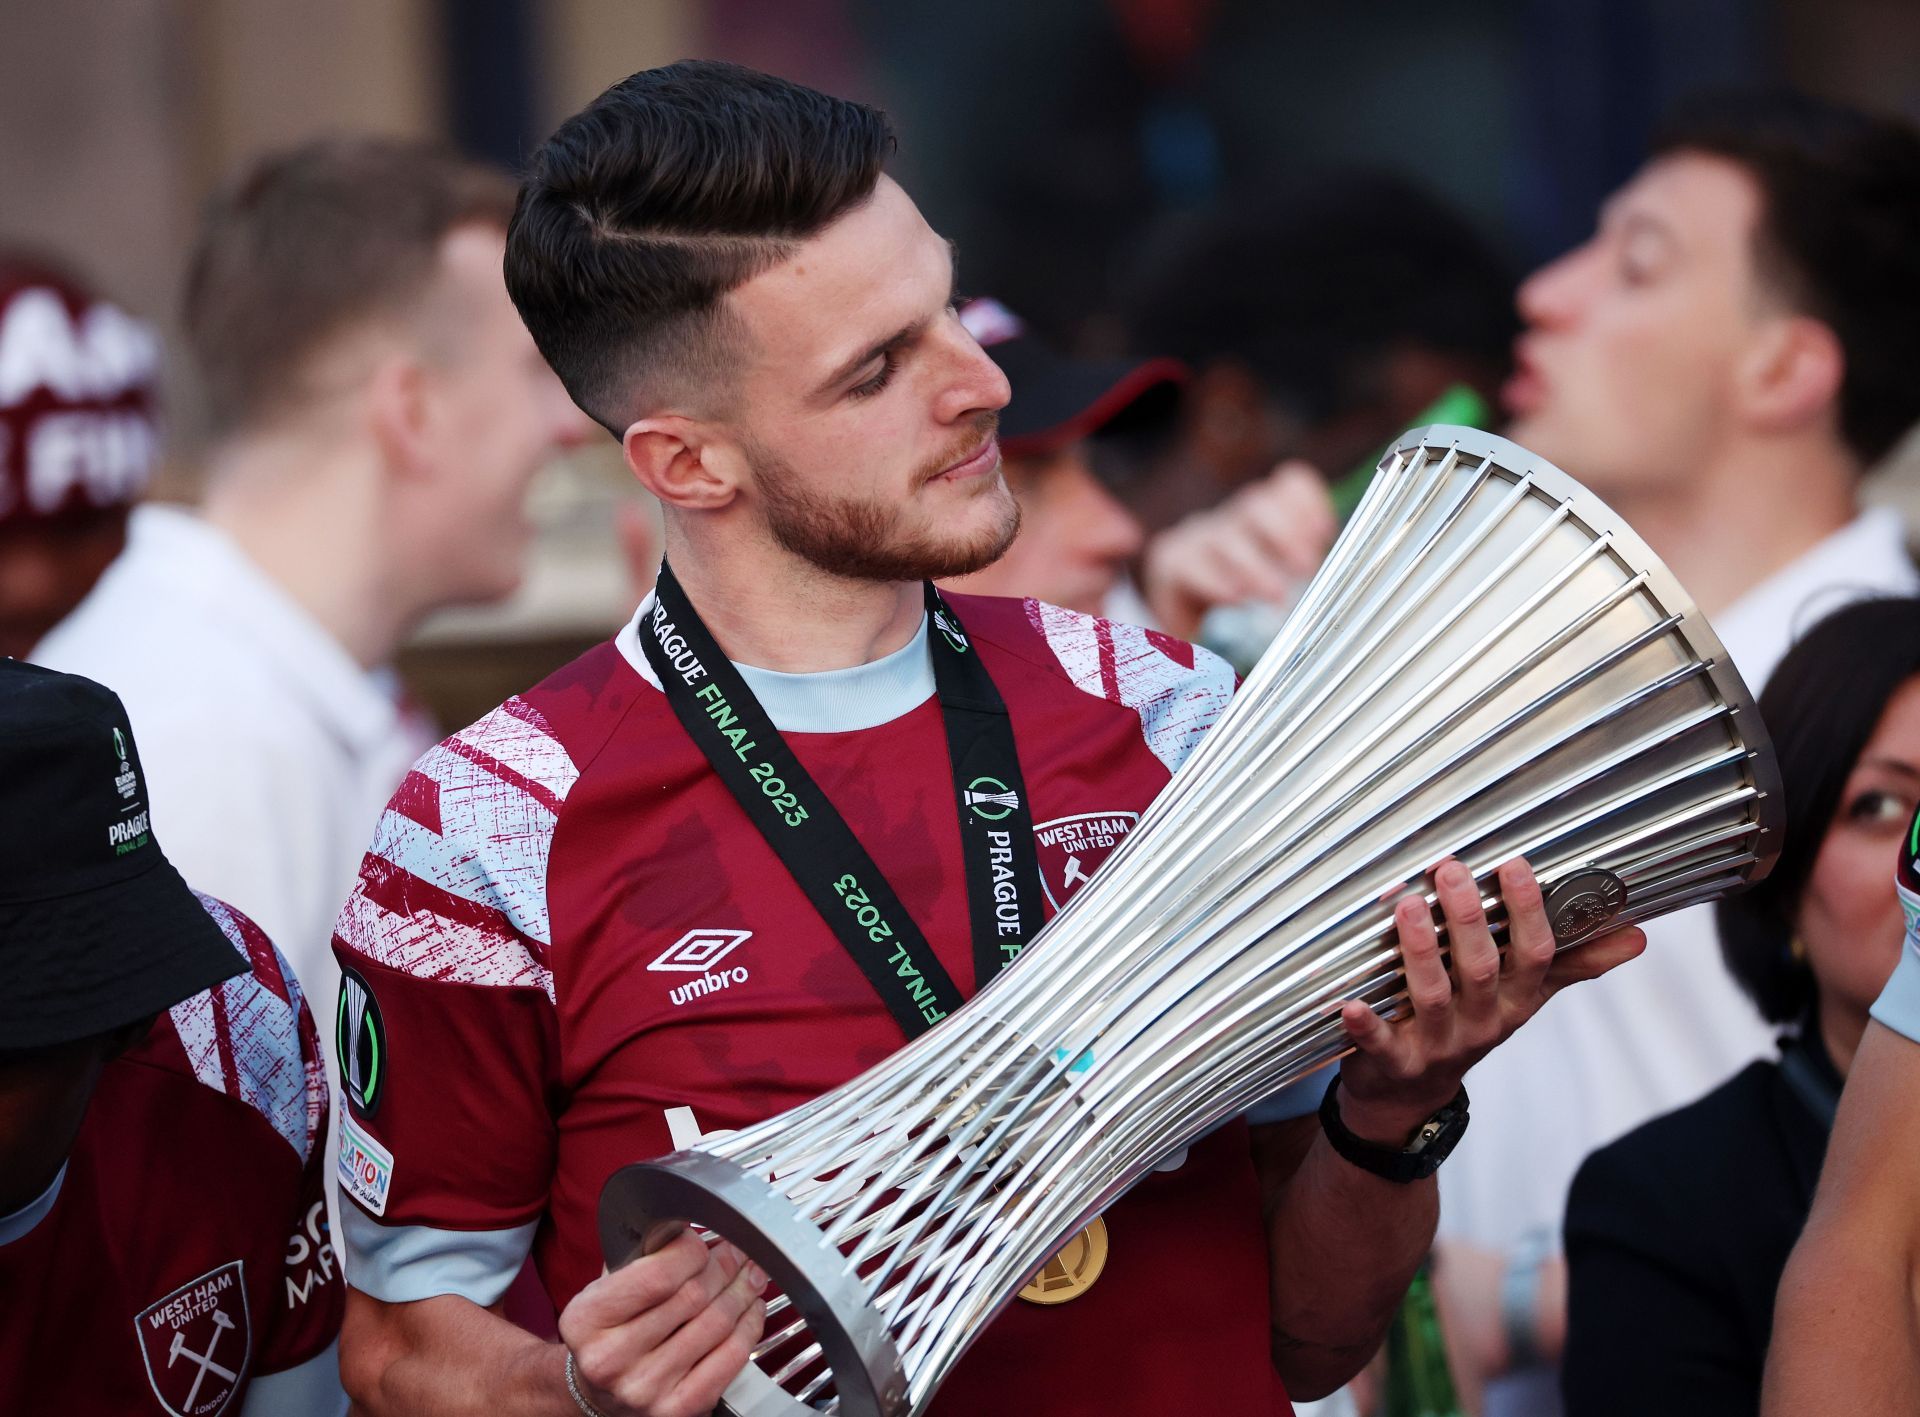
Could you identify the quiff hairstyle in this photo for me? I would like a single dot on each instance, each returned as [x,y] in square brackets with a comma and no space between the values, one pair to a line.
[305,243]
[1838,236]
[645,209]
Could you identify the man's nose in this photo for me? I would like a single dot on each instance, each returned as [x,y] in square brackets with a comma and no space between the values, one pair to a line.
[975,383]
[1552,295]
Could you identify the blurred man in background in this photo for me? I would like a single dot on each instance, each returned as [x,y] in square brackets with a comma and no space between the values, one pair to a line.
[1721,362]
[163,1240]
[77,441]
[377,411]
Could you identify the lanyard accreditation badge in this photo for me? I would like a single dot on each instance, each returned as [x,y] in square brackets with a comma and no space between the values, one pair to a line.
[815,844]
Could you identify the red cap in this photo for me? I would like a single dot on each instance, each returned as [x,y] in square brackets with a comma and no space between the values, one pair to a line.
[78,428]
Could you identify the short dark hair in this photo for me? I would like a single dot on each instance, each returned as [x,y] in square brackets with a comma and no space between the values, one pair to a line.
[1838,235]
[1820,708]
[669,190]
[306,242]
[1310,289]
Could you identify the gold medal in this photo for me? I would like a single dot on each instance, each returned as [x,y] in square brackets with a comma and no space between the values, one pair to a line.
[1070,1273]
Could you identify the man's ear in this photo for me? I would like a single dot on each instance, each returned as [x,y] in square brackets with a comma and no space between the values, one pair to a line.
[399,416]
[1792,376]
[683,461]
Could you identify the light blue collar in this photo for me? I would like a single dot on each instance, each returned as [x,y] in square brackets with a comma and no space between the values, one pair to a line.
[831,701]
[12,1227]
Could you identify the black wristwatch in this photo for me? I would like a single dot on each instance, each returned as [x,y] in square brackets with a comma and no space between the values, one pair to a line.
[1431,1144]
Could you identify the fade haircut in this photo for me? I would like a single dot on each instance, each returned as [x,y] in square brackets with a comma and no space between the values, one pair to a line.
[1838,237]
[308,242]
[646,208]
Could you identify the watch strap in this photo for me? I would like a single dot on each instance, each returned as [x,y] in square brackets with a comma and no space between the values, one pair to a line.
[1432,1142]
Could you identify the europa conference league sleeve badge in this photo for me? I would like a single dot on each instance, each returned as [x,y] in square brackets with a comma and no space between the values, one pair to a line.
[360,1039]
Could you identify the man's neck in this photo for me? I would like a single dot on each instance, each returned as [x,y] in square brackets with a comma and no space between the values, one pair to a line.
[1741,521]
[789,616]
[312,525]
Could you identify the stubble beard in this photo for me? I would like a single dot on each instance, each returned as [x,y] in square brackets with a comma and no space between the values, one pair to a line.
[862,539]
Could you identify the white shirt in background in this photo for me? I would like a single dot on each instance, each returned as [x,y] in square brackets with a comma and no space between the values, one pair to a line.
[269,752]
[1661,1031]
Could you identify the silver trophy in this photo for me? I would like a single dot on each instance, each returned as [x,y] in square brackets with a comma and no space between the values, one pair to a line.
[1490,664]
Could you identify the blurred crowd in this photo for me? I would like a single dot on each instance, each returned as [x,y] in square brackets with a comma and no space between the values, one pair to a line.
[1723,360]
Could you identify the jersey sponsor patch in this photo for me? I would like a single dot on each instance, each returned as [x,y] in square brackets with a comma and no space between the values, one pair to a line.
[197,1341]
[311,1265]
[366,1167]
[1072,848]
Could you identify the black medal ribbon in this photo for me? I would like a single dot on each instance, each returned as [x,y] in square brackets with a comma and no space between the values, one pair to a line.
[814,842]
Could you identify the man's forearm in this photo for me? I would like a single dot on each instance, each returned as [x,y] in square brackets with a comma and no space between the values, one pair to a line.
[447,1357]
[1343,1246]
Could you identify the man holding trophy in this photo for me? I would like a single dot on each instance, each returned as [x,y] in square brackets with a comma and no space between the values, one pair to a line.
[797,813]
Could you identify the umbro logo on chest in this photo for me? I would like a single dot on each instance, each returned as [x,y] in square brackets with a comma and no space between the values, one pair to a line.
[702,953]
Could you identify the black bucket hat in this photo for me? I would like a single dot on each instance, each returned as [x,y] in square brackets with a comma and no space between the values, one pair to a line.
[97,929]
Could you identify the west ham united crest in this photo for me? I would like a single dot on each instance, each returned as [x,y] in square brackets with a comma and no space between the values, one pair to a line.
[1072,848]
[197,1342]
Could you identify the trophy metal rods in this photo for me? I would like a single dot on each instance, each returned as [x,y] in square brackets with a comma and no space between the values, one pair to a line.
[1489,665]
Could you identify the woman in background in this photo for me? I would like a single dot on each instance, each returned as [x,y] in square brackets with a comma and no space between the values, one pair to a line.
[1677,1233]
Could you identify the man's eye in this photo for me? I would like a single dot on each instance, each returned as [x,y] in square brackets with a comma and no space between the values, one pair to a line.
[1880,808]
[878,382]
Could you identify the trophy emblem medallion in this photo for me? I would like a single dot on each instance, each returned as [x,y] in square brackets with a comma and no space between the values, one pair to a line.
[1584,903]
[1072,1272]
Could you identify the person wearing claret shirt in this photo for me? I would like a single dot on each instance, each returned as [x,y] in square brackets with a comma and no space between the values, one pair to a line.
[164,1245]
[579,939]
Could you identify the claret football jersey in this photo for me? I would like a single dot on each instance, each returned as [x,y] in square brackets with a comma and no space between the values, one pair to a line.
[180,1264]
[570,949]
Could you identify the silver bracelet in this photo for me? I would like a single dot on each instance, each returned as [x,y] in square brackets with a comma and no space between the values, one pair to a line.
[573,1391]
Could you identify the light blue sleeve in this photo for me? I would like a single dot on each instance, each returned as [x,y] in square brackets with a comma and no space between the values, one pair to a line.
[398,1264]
[310,1390]
[1898,1006]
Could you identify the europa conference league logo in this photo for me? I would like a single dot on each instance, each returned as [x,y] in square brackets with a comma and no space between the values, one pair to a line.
[991,799]
[360,1038]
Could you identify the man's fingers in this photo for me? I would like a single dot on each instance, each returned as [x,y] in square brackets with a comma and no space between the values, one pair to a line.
[617,1296]
[1530,942]
[1428,987]
[1308,501]
[1476,959]
[1595,957]
[1250,561]
[707,1330]
[708,1379]
[624,1356]
[1375,1037]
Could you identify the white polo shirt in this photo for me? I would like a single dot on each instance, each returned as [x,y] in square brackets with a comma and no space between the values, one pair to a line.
[269,752]
[1655,1034]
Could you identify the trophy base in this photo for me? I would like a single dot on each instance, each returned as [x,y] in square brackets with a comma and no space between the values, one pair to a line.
[645,1206]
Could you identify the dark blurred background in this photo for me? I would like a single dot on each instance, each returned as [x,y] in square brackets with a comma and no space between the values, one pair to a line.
[1056,140]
